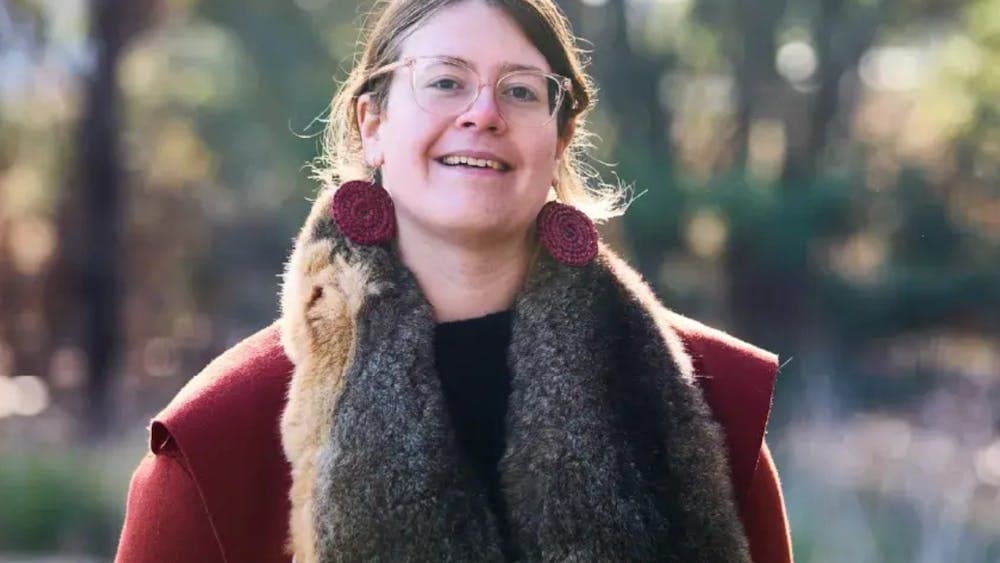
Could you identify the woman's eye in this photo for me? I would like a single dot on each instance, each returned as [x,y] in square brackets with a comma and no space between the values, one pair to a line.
[522,94]
[446,84]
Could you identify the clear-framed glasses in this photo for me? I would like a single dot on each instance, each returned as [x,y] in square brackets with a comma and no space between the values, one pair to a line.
[448,86]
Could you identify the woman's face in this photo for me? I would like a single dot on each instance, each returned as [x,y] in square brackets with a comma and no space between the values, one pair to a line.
[408,142]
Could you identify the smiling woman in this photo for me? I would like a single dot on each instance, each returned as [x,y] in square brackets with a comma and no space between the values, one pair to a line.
[462,370]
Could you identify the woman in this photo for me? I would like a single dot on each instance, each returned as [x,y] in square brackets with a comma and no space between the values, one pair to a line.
[462,371]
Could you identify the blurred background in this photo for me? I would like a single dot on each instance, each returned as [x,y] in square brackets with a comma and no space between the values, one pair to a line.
[819,177]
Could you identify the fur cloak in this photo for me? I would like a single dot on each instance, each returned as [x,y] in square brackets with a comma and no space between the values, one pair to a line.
[612,452]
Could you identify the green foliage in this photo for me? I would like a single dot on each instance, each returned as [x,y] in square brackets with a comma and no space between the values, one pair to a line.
[55,503]
[776,226]
[653,220]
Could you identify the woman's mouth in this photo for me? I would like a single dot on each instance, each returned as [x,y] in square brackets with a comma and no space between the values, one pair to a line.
[476,166]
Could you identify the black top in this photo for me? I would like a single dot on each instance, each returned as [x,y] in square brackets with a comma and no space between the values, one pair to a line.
[471,357]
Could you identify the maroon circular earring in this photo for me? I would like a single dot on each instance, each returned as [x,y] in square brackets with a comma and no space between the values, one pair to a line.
[567,234]
[364,212]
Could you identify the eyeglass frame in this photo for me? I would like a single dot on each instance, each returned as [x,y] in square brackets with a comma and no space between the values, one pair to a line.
[565,84]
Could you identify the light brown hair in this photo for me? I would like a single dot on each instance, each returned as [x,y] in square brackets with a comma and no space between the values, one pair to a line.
[388,25]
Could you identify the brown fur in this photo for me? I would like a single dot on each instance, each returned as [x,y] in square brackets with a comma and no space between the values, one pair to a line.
[321,297]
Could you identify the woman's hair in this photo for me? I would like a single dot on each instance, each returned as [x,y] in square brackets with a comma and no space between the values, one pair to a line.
[386,28]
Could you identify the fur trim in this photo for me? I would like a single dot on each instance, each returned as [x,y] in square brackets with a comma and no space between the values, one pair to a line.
[321,296]
[612,452]
[634,283]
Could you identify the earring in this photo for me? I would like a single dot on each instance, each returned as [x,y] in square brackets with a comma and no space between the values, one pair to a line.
[364,212]
[567,234]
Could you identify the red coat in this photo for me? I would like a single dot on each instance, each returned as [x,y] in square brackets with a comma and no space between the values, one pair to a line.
[214,486]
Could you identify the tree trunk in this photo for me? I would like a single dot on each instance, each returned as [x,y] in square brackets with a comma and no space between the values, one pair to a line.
[101,184]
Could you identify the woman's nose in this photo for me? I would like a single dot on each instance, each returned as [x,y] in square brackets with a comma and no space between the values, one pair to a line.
[484,112]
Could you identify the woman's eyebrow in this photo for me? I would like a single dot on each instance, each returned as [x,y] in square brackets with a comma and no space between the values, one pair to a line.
[507,67]
[504,67]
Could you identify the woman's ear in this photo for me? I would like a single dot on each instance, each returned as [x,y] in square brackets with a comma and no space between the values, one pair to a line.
[369,122]
[565,138]
[561,144]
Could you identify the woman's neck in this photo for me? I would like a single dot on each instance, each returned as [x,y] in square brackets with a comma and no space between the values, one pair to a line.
[462,279]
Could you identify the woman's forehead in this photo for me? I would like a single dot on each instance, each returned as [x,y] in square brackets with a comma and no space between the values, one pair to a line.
[497,44]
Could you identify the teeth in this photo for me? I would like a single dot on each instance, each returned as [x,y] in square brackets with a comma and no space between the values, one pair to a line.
[481,163]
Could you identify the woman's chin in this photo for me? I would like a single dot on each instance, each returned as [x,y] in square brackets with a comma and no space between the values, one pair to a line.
[472,224]
[476,226]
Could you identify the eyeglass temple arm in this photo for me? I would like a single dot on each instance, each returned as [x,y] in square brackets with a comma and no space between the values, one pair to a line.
[389,68]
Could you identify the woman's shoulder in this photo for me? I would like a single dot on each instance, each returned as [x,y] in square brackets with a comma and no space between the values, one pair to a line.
[240,393]
[737,379]
[721,349]
[714,353]
[217,441]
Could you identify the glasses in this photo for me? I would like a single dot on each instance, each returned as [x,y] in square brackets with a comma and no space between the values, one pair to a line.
[448,86]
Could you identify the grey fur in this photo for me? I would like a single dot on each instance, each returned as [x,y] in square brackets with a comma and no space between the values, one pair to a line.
[611,454]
